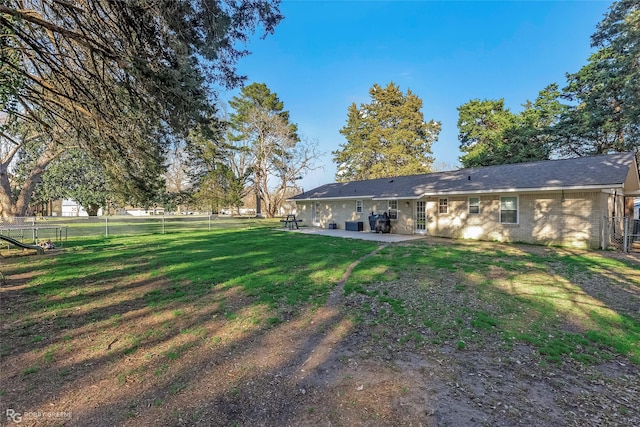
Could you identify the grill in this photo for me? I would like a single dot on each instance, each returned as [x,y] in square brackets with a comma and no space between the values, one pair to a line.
[380,223]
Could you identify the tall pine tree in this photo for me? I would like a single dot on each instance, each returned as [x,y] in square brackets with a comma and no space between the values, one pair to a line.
[604,114]
[386,137]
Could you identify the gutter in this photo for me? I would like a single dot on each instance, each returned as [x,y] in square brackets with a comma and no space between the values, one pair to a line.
[603,187]
[320,199]
[525,190]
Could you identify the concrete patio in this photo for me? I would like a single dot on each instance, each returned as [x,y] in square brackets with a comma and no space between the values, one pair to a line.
[362,235]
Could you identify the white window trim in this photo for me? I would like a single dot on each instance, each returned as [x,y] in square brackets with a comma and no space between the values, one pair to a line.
[359,206]
[469,206]
[390,209]
[446,199]
[517,209]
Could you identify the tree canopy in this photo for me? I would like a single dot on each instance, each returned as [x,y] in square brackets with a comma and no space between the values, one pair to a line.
[598,111]
[74,175]
[386,137]
[116,78]
[604,95]
[490,134]
[482,125]
[265,150]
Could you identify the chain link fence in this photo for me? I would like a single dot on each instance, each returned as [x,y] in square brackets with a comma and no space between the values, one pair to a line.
[621,233]
[60,229]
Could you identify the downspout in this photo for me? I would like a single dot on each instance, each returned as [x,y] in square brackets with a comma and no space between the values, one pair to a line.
[613,213]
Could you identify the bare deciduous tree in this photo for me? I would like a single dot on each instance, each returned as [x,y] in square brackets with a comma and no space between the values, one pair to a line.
[278,159]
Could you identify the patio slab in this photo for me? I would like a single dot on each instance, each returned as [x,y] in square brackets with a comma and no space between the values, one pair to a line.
[362,235]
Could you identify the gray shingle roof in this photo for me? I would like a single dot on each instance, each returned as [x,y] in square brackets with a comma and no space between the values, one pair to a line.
[583,172]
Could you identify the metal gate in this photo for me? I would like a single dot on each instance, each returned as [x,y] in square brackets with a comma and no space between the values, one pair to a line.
[633,241]
[621,233]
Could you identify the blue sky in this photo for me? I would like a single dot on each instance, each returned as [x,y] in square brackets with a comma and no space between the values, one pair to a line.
[326,55]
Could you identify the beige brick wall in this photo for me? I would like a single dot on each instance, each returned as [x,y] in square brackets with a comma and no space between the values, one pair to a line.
[337,211]
[543,218]
[340,211]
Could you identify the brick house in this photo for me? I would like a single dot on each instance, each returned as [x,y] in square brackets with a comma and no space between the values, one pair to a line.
[553,202]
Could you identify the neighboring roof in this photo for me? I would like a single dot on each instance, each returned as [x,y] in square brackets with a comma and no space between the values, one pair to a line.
[595,172]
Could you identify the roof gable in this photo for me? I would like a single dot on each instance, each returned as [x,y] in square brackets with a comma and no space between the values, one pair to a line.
[604,171]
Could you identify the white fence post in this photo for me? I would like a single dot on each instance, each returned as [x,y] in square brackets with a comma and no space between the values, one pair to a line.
[625,243]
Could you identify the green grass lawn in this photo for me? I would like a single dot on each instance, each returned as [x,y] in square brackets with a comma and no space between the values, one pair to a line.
[143,316]
[273,267]
[565,304]
[582,305]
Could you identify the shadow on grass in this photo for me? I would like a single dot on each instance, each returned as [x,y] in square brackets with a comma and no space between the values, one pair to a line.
[584,305]
[121,310]
[226,328]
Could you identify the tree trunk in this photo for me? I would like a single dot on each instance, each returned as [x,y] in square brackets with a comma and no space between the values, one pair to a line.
[258,205]
[6,204]
[92,209]
[10,206]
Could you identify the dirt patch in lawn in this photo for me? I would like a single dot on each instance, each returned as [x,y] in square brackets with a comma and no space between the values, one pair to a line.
[224,361]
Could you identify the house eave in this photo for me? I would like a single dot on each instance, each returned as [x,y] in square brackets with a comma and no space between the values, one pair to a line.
[602,187]
[397,197]
[524,190]
[323,199]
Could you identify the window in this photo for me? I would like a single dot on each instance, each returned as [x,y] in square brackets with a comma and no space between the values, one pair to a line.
[443,206]
[474,205]
[358,206]
[509,210]
[392,211]
[421,216]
